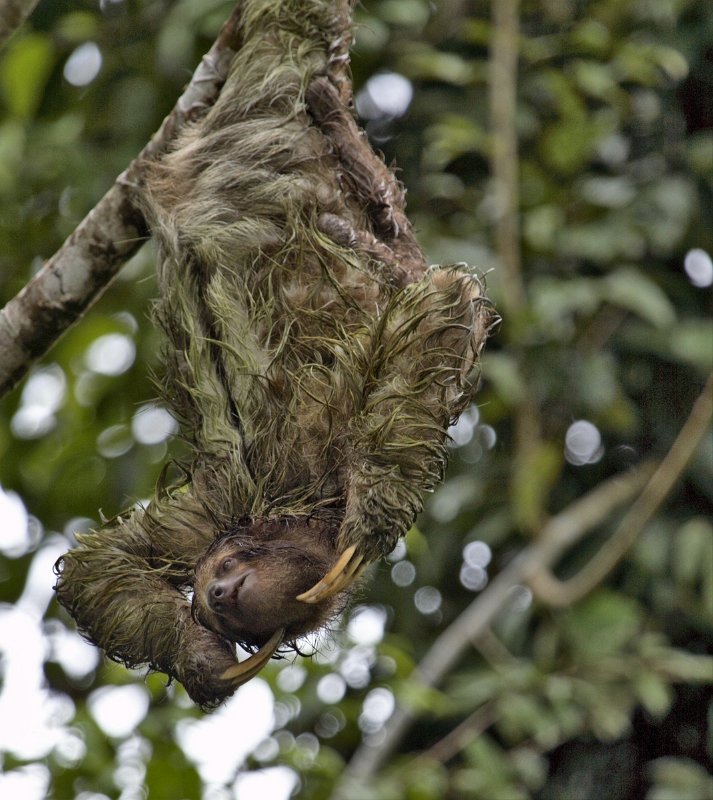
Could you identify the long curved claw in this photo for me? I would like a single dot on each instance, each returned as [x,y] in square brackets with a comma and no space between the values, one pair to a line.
[346,570]
[241,673]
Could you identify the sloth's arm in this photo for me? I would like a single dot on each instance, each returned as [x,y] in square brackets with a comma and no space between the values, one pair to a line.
[121,585]
[423,355]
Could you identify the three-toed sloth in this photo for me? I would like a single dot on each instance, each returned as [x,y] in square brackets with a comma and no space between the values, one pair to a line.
[313,361]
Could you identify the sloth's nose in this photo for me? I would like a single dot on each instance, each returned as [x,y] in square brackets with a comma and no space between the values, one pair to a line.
[220,591]
[216,591]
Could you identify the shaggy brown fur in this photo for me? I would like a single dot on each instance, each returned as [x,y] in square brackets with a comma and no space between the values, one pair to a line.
[313,361]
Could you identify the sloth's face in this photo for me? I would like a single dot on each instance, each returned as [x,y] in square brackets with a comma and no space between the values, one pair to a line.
[245,592]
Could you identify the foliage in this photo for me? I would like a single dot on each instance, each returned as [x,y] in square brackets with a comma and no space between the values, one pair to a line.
[616,146]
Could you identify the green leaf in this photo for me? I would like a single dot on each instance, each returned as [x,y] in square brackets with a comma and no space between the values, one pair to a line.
[592,36]
[633,63]
[655,695]
[541,226]
[371,34]
[408,13]
[489,757]
[610,721]
[679,779]
[78,26]
[692,342]
[602,624]
[595,78]
[423,699]
[522,716]
[453,136]
[416,542]
[470,689]
[693,550]
[12,147]
[568,144]
[555,301]
[652,549]
[530,766]
[685,667]
[700,152]
[669,203]
[476,31]
[628,288]
[687,342]
[430,64]
[426,781]
[24,73]
[597,387]
[671,61]
[502,371]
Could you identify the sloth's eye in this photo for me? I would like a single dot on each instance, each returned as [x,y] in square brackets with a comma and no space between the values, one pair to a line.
[227,564]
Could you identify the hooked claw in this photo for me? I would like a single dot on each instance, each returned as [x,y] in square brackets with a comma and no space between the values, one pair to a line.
[242,672]
[346,570]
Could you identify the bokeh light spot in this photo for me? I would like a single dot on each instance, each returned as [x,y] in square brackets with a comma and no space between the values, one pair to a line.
[111,354]
[152,424]
[403,573]
[462,432]
[378,706]
[583,443]
[398,552]
[14,529]
[427,599]
[520,598]
[473,578]
[275,783]
[477,554]
[43,394]
[331,688]
[366,626]
[83,65]
[291,678]
[114,441]
[699,267]
[119,709]
[387,94]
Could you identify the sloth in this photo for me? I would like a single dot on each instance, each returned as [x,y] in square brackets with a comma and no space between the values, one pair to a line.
[313,360]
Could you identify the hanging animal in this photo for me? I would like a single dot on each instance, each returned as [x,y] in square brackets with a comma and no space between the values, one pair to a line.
[313,360]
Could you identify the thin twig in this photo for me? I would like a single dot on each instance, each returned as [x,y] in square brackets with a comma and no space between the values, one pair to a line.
[473,726]
[554,592]
[12,14]
[107,237]
[495,653]
[583,515]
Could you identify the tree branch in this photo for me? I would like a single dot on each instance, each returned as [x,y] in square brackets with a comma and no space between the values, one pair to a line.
[505,171]
[554,592]
[12,14]
[461,736]
[504,162]
[111,233]
[560,533]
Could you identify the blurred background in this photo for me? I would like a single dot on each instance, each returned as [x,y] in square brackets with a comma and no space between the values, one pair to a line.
[586,195]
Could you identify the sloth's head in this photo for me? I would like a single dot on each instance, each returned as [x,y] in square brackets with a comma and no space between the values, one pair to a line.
[256,579]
